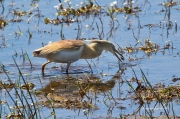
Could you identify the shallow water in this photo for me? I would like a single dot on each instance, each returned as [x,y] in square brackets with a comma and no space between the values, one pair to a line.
[160,67]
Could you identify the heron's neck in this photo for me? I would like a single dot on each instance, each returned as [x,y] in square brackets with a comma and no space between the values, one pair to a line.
[91,51]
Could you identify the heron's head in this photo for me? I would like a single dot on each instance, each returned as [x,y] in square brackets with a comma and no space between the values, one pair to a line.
[108,46]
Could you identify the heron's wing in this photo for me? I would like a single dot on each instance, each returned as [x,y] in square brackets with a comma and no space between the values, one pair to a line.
[63,45]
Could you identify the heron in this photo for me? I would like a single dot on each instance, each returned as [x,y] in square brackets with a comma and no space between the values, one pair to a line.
[69,51]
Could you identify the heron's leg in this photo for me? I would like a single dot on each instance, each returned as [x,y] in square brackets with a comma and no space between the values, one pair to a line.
[43,66]
[68,64]
[61,66]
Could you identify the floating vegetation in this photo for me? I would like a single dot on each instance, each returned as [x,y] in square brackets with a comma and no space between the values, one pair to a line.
[14,116]
[169,3]
[127,9]
[6,85]
[67,101]
[147,46]
[91,9]
[3,23]
[129,49]
[58,21]
[85,9]
[158,93]
[168,44]
[163,93]
[11,85]
[152,25]
[175,79]
[15,20]
[27,86]
[19,13]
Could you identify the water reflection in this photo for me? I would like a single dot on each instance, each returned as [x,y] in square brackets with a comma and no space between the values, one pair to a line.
[70,91]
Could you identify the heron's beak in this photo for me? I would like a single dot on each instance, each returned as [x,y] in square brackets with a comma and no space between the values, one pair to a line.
[116,53]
